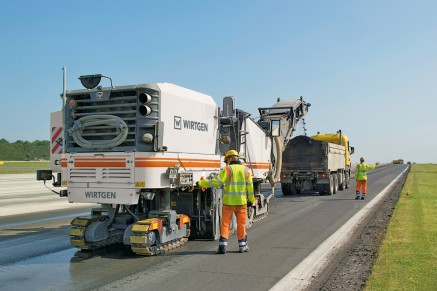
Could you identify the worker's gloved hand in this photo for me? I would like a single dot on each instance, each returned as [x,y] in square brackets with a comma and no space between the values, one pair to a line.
[249,204]
[197,183]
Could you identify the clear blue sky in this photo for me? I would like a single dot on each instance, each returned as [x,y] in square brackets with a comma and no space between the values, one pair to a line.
[367,67]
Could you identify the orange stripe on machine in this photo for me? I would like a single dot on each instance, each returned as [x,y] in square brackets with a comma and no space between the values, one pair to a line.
[259,165]
[152,162]
[171,162]
[100,162]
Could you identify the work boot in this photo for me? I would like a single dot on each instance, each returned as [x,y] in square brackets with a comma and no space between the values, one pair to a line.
[223,242]
[363,197]
[243,245]
[221,250]
[357,195]
[244,249]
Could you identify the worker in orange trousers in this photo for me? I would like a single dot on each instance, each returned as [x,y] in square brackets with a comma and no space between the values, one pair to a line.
[361,179]
[236,179]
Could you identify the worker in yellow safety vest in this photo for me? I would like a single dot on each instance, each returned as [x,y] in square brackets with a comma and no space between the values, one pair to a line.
[236,179]
[361,178]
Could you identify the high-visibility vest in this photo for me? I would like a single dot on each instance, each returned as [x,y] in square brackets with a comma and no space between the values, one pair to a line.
[361,171]
[238,185]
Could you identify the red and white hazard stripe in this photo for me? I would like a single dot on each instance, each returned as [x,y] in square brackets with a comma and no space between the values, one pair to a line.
[56,133]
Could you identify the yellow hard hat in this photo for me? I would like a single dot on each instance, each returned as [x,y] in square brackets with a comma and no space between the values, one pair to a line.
[231,153]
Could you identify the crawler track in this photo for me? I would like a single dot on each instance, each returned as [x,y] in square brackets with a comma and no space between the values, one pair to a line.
[77,234]
[145,238]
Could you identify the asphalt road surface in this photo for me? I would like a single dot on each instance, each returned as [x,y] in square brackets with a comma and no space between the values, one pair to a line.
[36,253]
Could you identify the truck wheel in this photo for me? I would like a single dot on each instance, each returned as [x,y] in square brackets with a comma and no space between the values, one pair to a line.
[288,189]
[330,187]
[335,183]
[342,184]
[347,180]
[321,189]
[293,189]
[285,189]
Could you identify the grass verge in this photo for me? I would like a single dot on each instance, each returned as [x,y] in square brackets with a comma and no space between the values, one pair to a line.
[18,167]
[407,257]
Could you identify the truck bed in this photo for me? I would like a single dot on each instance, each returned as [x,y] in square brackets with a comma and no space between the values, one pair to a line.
[305,154]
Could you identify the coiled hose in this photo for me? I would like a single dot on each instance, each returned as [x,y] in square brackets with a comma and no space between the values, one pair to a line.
[99,120]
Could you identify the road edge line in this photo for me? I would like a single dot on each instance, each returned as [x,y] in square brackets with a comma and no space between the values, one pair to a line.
[301,276]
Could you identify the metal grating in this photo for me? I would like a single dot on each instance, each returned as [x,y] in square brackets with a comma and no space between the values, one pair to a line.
[116,174]
[83,175]
[120,103]
[101,175]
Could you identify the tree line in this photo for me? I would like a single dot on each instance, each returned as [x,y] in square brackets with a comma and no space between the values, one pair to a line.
[24,150]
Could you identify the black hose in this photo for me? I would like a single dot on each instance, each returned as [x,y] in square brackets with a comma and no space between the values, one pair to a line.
[131,213]
[117,208]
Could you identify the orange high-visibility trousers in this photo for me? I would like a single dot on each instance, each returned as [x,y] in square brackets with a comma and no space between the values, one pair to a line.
[361,184]
[241,214]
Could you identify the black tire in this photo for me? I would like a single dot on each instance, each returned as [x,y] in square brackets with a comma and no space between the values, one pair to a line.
[285,189]
[347,179]
[330,187]
[342,185]
[293,189]
[288,189]
[321,189]
[335,182]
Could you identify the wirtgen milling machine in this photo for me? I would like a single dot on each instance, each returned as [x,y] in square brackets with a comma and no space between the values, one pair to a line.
[138,151]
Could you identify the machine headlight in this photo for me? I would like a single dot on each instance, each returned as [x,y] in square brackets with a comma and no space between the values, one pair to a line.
[145,98]
[145,110]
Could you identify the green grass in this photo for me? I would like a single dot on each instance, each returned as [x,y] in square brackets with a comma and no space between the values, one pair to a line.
[22,167]
[408,255]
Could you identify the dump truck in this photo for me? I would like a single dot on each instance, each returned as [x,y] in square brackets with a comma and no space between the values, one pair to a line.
[136,151]
[321,163]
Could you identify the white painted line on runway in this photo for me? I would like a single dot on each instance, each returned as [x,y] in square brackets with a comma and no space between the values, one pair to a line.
[23,194]
[301,276]
[34,221]
[32,208]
